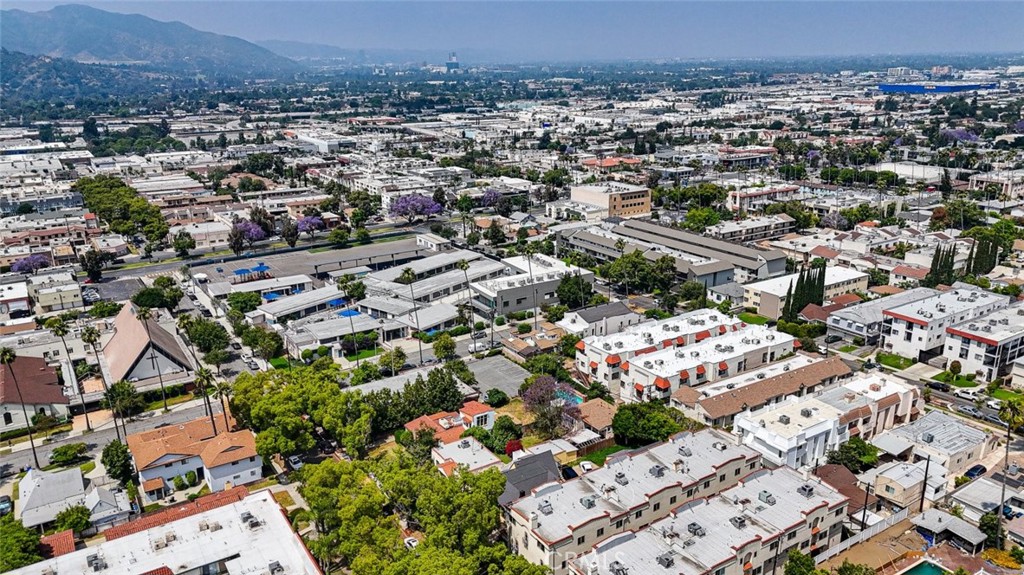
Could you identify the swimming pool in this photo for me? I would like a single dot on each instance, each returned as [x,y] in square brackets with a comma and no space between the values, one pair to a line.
[573,398]
[925,567]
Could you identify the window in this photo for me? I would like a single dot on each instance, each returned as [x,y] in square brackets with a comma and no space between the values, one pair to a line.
[689,493]
[720,571]
[839,512]
[721,477]
[737,472]
[791,536]
[600,532]
[805,544]
[169,464]
[672,500]
[579,541]
[638,514]
[618,524]
[252,459]
[707,484]
[773,546]
[752,464]
[8,419]
[657,506]
[889,489]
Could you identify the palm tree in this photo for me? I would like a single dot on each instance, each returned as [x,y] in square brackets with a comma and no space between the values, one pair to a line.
[204,379]
[464,266]
[1012,414]
[7,357]
[222,391]
[144,314]
[91,337]
[620,244]
[186,321]
[59,327]
[529,250]
[343,284]
[409,277]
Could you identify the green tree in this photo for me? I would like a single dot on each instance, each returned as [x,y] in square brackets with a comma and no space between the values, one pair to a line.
[117,460]
[244,302]
[637,424]
[68,454]
[990,525]
[574,291]
[444,346]
[1011,412]
[700,219]
[495,235]
[20,544]
[208,335]
[290,232]
[93,261]
[75,518]
[799,564]
[123,399]
[7,357]
[856,455]
[183,242]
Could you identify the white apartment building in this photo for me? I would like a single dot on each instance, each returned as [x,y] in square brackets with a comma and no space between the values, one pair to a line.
[949,441]
[1010,183]
[558,521]
[752,229]
[988,345]
[751,199]
[917,330]
[604,358]
[864,320]
[655,376]
[803,430]
[768,297]
[532,285]
[746,530]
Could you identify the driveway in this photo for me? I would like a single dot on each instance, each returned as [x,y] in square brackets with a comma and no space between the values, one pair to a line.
[920,372]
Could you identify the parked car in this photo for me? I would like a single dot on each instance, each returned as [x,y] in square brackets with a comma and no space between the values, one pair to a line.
[569,473]
[994,419]
[6,505]
[994,404]
[587,466]
[975,472]
[833,338]
[966,393]
[411,543]
[479,347]
[969,410]
[479,334]
[939,386]
[295,462]
[283,479]
[236,346]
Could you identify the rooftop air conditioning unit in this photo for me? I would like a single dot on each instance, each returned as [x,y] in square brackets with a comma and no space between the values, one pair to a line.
[806,412]
[806,490]
[685,451]
[766,496]
[621,478]
[545,507]
[618,344]
[739,522]
[784,419]
[588,502]
[464,444]
[648,364]
[665,560]
[275,568]
[761,375]
[695,529]
[927,437]
[607,346]
[617,568]
[658,471]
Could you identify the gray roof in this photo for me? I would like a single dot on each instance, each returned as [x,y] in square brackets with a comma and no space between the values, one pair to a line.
[937,521]
[526,473]
[732,290]
[597,313]
[949,435]
[399,382]
[388,305]
[44,494]
[104,504]
[982,494]
[870,312]
[297,302]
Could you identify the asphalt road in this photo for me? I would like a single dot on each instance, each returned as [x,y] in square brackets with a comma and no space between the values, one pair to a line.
[14,462]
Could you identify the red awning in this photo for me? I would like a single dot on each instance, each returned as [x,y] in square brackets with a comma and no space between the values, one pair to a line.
[646,350]
[581,346]
[796,344]
[625,366]
[639,387]
[680,340]
[667,343]
[701,370]
[684,374]
[593,365]
[723,366]
[701,336]
[613,359]
[722,329]
[662,383]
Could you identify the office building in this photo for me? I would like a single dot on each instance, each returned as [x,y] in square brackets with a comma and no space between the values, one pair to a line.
[619,199]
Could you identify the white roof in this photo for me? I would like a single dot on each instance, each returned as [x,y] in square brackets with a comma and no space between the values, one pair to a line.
[44,494]
[473,455]
[946,305]
[633,337]
[730,345]
[999,326]
[780,285]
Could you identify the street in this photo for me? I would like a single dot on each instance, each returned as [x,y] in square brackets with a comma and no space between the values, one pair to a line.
[97,440]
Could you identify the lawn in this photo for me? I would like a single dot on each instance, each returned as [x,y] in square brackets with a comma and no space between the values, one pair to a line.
[363,354]
[957,381]
[87,467]
[1005,394]
[848,348]
[284,363]
[598,457]
[517,411]
[261,484]
[753,318]
[894,361]
[63,428]
[284,499]
[158,405]
[151,507]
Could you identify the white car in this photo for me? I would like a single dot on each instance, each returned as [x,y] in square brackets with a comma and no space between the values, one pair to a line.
[411,543]
[295,462]
[966,393]
[994,404]
[479,347]
[586,466]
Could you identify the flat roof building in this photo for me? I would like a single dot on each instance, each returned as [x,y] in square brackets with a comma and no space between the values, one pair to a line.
[768,297]
[988,345]
[949,441]
[864,320]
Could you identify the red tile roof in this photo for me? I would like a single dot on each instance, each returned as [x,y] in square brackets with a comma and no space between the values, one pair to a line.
[57,544]
[910,272]
[474,408]
[165,516]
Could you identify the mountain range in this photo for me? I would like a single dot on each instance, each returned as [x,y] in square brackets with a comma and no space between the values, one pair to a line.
[89,35]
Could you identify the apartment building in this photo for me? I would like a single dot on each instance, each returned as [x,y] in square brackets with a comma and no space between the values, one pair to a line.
[752,229]
[902,484]
[606,358]
[988,345]
[719,403]
[604,319]
[532,285]
[753,199]
[801,432]
[1009,183]
[864,320]
[918,330]
[621,200]
[949,441]
[655,376]
[746,530]
[768,297]
[556,522]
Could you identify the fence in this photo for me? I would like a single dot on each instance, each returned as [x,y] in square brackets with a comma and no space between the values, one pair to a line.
[862,536]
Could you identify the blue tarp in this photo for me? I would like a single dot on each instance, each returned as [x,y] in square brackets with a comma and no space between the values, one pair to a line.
[271,296]
[261,268]
[348,313]
[243,272]
[336,302]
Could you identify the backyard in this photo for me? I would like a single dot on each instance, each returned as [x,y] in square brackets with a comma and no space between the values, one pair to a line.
[894,361]
[753,318]
[598,457]
[956,380]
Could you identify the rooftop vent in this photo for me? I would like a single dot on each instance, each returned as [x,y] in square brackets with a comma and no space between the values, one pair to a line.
[685,451]
[464,444]
[617,568]
[784,419]
[695,528]
[275,568]
[927,437]
[658,471]
[96,562]
[806,490]
[545,507]
[588,502]
[806,412]
[766,496]
[739,522]
[665,560]
[621,478]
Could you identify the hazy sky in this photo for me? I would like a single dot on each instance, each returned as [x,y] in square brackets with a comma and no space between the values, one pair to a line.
[608,30]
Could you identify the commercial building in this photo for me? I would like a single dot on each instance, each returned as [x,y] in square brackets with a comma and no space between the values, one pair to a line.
[532,286]
[208,235]
[247,534]
[753,199]
[917,330]
[296,306]
[220,458]
[605,359]
[801,432]
[719,403]
[864,320]
[559,521]
[621,200]
[988,345]
[768,297]
[655,376]
[949,441]
[748,529]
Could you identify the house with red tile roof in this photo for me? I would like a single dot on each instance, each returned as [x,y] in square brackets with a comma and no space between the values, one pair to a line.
[448,426]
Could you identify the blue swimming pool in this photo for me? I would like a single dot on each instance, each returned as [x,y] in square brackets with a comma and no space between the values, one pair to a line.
[570,397]
[925,568]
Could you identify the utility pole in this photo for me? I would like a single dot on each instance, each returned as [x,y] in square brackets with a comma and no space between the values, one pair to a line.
[924,489]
